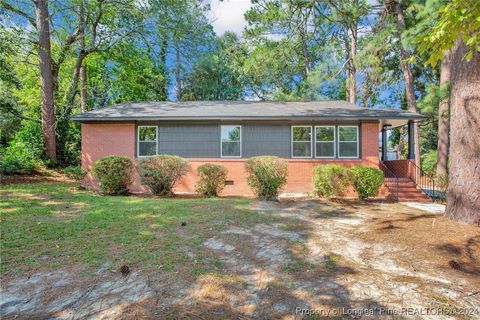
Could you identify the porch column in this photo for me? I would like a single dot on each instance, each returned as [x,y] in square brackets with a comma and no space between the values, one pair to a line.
[411,146]
[384,142]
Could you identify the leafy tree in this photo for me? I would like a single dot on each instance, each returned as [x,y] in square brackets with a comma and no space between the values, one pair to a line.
[457,31]
[214,77]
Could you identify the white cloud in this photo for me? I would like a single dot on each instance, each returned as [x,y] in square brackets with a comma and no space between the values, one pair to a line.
[227,15]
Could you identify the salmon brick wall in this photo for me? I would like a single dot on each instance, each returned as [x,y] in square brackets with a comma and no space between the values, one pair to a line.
[103,139]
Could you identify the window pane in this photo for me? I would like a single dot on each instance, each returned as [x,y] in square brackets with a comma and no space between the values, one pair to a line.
[302,133]
[347,149]
[147,134]
[230,133]
[302,149]
[230,149]
[347,133]
[325,133]
[325,149]
[147,148]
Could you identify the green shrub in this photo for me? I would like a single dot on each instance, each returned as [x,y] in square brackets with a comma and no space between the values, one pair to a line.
[330,180]
[114,174]
[366,180]
[428,162]
[161,173]
[24,152]
[212,179]
[266,176]
[13,165]
[74,172]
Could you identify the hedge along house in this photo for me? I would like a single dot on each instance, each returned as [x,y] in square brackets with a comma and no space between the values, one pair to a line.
[306,134]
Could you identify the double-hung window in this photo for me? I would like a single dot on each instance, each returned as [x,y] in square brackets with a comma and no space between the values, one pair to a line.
[231,141]
[348,141]
[147,141]
[325,141]
[301,142]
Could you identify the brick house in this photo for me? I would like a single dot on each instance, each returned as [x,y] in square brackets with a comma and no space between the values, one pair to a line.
[229,132]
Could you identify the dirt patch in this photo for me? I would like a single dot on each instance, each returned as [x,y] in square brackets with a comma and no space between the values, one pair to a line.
[315,255]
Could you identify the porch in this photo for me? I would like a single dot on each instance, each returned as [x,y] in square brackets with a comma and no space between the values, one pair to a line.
[404,179]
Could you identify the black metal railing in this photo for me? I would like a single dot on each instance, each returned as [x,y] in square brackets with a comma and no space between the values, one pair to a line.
[390,181]
[423,181]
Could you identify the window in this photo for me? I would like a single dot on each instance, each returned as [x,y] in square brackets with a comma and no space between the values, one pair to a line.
[147,141]
[231,145]
[302,142]
[325,142]
[348,141]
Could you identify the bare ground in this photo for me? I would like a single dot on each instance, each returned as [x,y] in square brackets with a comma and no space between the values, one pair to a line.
[325,256]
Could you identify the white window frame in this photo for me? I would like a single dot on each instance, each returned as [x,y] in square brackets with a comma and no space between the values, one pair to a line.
[357,141]
[334,142]
[311,141]
[221,142]
[138,140]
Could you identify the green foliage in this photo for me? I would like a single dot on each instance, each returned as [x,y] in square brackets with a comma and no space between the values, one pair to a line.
[214,76]
[25,152]
[440,28]
[74,172]
[366,180]
[212,179]
[114,173]
[428,162]
[266,176]
[160,173]
[330,180]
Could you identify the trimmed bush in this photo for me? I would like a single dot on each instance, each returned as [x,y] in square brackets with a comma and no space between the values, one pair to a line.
[330,180]
[212,179]
[266,176]
[366,180]
[74,172]
[114,174]
[161,173]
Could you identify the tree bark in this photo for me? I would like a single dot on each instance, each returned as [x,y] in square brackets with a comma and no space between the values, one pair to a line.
[443,118]
[46,78]
[346,44]
[352,76]
[178,79]
[463,198]
[408,77]
[83,87]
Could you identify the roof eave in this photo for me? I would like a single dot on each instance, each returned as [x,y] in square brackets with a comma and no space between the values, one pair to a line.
[416,117]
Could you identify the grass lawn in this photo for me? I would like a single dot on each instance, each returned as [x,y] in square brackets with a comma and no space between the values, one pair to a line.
[49,225]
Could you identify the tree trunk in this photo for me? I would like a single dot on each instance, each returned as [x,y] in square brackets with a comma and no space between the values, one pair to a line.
[74,84]
[443,118]
[346,44]
[352,76]
[46,78]
[178,79]
[305,53]
[408,76]
[83,87]
[463,198]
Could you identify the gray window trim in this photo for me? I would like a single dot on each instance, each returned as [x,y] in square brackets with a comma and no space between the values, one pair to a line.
[221,142]
[311,142]
[138,140]
[357,141]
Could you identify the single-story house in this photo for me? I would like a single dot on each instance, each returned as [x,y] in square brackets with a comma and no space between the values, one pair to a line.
[229,132]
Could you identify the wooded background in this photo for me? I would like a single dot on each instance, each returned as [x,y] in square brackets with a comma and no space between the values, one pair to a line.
[59,58]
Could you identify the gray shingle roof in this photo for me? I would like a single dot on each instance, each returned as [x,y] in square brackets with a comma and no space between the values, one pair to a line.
[243,110]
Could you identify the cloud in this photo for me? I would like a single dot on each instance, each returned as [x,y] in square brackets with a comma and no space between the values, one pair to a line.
[227,15]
